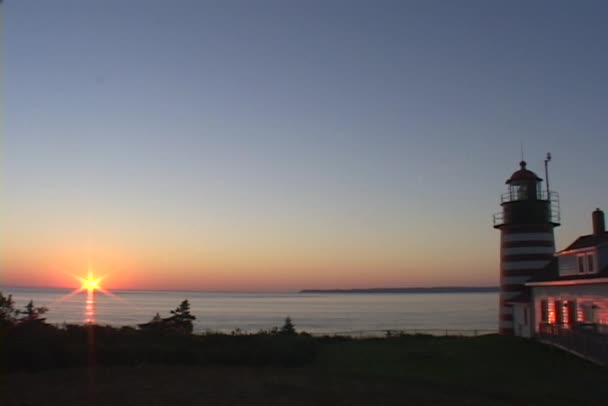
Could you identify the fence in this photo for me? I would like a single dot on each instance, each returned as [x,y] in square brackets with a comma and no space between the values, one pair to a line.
[399,332]
[587,343]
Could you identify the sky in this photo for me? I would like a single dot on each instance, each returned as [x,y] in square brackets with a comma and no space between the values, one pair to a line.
[283,145]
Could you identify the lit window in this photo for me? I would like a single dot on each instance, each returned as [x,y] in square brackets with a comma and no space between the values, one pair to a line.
[559,312]
[551,309]
[544,311]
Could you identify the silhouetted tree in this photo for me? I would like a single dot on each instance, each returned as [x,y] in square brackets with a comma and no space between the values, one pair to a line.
[32,313]
[179,322]
[8,313]
[288,328]
[182,319]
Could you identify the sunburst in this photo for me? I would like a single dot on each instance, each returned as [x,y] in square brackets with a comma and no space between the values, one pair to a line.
[89,284]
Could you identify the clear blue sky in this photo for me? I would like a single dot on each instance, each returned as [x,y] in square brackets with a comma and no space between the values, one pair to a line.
[287,144]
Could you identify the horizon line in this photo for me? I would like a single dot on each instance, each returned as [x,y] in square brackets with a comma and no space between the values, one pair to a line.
[312,290]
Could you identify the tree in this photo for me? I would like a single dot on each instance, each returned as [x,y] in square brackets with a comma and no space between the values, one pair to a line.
[288,328]
[32,313]
[182,319]
[179,322]
[8,313]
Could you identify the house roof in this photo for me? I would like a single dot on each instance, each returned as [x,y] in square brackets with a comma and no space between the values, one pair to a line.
[587,241]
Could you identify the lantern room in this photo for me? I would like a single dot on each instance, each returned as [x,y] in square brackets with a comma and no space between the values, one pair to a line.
[524,185]
[526,202]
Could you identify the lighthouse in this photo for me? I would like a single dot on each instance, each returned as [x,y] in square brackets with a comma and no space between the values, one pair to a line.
[527,243]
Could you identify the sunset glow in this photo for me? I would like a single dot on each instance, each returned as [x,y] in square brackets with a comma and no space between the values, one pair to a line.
[208,148]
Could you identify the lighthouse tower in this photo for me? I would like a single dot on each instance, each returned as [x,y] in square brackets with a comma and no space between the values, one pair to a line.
[529,215]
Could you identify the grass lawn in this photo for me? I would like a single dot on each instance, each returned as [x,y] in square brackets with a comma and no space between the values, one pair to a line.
[488,370]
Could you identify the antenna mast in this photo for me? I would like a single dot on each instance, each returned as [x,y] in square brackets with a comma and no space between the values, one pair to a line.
[547,160]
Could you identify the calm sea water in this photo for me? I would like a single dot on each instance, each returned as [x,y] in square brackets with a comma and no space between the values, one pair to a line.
[314,313]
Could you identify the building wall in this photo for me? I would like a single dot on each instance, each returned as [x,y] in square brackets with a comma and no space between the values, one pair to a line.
[522,320]
[568,265]
[595,295]
[602,256]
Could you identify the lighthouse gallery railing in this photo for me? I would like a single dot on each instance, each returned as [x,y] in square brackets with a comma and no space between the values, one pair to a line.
[552,197]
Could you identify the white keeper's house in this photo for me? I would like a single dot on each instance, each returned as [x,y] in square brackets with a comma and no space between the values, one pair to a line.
[572,290]
[559,297]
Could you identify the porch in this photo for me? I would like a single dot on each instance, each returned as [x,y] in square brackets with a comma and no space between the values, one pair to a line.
[589,341]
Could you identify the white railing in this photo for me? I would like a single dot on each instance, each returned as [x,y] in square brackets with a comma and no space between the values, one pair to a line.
[587,343]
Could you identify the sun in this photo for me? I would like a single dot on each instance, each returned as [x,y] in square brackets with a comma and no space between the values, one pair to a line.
[90,283]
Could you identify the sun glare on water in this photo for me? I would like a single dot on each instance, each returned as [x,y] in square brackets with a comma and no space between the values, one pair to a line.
[90,284]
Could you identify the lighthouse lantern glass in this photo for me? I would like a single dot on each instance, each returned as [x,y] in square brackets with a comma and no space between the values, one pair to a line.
[525,190]
[519,191]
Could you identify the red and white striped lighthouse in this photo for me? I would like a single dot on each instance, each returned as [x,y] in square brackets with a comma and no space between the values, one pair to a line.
[526,225]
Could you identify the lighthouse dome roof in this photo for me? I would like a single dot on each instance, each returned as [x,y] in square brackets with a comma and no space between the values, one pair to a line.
[523,175]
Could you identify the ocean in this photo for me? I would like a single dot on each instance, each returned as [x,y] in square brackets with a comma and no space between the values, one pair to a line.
[316,313]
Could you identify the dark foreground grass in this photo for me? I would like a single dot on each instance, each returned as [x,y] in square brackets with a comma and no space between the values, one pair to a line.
[489,370]
[473,371]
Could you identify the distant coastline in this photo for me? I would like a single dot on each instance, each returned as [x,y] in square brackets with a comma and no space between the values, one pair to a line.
[447,289]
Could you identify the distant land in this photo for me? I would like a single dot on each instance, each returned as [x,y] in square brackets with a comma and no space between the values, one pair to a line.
[446,289]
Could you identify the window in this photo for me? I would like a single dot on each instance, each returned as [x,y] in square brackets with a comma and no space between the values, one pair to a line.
[559,312]
[587,312]
[544,311]
[570,311]
[585,263]
[590,263]
[519,192]
[551,310]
